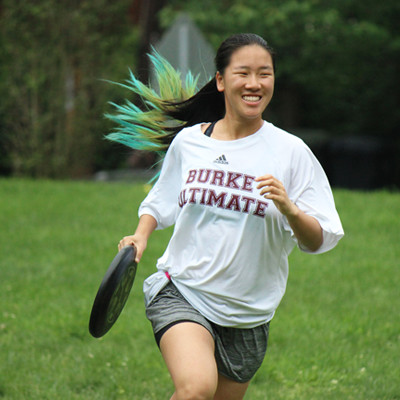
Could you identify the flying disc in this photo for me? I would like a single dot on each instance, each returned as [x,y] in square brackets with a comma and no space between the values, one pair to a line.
[113,292]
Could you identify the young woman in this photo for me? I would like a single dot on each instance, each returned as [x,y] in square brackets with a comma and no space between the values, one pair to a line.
[241,193]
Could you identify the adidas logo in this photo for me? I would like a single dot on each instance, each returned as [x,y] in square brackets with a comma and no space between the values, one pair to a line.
[221,160]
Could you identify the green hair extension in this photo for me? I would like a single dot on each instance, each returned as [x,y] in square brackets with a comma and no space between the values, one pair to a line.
[151,128]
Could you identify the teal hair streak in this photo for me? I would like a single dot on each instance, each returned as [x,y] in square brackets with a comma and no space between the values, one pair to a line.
[149,128]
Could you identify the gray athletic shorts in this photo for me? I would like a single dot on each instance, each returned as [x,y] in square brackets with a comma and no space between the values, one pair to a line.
[239,353]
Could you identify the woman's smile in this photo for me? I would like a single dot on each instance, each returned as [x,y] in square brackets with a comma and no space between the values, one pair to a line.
[252,99]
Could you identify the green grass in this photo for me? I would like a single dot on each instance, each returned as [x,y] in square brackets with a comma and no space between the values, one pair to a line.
[336,334]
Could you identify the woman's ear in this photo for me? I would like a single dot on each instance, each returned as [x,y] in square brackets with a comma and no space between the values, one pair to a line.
[220,82]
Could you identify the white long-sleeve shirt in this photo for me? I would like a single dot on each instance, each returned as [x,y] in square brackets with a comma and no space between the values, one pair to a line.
[228,254]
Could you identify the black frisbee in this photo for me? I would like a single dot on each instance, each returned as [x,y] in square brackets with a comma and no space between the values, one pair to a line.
[113,292]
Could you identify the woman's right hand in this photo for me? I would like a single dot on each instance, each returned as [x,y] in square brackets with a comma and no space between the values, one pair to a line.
[146,226]
[140,244]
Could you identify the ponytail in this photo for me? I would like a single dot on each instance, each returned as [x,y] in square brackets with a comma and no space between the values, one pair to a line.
[154,125]
[207,105]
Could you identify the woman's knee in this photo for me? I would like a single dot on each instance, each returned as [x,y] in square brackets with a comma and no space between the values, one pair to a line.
[198,390]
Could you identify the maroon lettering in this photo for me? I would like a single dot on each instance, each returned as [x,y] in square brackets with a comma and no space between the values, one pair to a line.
[213,199]
[207,176]
[193,191]
[260,208]
[218,177]
[182,198]
[234,203]
[209,197]
[192,176]
[231,180]
[247,183]
[203,196]
[248,201]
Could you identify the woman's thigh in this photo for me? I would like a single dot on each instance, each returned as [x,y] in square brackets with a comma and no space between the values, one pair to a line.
[188,351]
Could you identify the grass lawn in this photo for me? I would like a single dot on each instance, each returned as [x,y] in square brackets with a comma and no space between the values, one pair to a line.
[336,334]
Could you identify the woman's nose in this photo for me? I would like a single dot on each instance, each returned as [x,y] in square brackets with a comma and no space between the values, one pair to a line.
[253,82]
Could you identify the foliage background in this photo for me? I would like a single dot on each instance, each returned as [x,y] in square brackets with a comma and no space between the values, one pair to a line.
[336,58]
[53,57]
[338,72]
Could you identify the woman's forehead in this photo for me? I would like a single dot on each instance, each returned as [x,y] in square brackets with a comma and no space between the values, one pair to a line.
[251,56]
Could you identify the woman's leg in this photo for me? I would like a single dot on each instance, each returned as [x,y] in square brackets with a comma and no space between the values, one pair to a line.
[230,390]
[188,351]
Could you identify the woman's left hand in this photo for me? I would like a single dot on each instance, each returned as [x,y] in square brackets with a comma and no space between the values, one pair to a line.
[305,227]
[273,189]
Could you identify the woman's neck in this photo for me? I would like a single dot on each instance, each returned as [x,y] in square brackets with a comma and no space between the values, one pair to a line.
[230,129]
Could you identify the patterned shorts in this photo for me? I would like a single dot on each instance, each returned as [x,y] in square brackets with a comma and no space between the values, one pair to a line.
[239,353]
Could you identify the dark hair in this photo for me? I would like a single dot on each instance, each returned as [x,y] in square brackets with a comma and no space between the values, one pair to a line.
[235,42]
[208,104]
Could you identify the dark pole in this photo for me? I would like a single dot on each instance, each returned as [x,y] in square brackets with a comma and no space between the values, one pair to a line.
[145,12]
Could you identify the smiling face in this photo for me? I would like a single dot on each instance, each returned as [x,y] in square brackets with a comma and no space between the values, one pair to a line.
[247,83]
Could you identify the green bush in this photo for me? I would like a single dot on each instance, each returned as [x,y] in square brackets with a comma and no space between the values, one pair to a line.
[53,56]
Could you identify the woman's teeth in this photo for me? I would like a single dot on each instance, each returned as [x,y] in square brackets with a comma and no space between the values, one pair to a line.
[251,98]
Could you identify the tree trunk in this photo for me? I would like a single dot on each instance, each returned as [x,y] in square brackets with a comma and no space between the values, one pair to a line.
[145,13]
